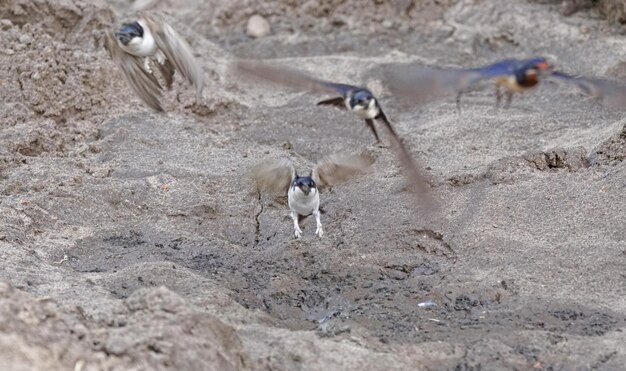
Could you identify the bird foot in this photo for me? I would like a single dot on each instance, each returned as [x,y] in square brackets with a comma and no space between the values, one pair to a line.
[298,232]
[319,231]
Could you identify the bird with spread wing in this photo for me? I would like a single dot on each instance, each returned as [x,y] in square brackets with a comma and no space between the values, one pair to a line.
[422,84]
[358,100]
[149,41]
[280,177]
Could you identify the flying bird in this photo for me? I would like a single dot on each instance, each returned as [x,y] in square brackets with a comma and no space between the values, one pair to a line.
[421,84]
[149,41]
[280,176]
[358,100]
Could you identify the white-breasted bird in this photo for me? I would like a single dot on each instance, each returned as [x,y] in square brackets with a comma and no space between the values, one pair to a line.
[280,176]
[149,41]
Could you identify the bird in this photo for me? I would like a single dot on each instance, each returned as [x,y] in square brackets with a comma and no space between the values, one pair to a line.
[421,84]
[279,176]
[146,41]
[356,99]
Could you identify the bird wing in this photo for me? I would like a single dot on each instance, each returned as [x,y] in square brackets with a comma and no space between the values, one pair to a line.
[413,170]
[335,169]
[273,176]
[289,77]
[143,83]
[424,84]
[612,93]
[177,50]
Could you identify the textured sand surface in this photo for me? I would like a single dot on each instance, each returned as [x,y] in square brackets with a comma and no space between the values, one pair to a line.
[133,240]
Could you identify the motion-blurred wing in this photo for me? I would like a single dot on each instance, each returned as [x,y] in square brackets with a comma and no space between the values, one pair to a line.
[144,84]
[424,84]
[413,171]
[612,94]
[336,169]
[274,176]
[289,77]
[506,67]
[176,50]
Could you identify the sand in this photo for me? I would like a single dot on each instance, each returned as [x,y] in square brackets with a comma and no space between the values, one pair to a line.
[134,240]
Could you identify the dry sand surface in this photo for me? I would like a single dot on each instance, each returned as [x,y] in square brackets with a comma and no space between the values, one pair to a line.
[133,240]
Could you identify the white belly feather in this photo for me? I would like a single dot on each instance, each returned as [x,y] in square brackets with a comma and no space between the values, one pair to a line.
[369,112]
[303,204]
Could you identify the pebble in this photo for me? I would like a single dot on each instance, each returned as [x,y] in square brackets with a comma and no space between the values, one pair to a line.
[258,26]
[6,24]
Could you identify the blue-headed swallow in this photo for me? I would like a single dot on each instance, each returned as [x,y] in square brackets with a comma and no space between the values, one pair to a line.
[150,41]
[280,176]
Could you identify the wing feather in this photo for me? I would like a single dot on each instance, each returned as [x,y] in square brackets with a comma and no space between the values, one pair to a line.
[176,50]
[144,84]
[424,84]
[413,171]
[336,169]
[611,93]
[273,176]
[288,77]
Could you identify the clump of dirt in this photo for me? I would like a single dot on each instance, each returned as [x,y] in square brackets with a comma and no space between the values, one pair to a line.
[507,170]
[613,10]
[36,332]
[612,151]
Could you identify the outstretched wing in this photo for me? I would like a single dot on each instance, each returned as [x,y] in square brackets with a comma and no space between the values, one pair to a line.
[273,176]
[336,169]
[288,77]
[144,84]
[424,84]
[414,173]
[611,93]
[177,50]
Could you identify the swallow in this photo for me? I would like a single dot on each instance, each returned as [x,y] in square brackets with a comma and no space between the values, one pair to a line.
[280,176]
[358,100]
[514,75]
[147,41]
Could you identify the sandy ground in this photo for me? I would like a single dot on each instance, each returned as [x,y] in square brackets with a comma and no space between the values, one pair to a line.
[132,240]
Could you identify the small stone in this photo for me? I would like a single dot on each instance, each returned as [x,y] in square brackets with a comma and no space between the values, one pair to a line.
[584,29]
[25,39]
[258,26]
[5,24]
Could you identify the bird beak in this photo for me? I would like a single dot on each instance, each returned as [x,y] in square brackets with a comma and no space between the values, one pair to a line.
[543,66]
[305,189]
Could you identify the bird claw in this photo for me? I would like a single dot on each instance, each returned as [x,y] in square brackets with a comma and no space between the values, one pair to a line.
[319,231]
[298,233]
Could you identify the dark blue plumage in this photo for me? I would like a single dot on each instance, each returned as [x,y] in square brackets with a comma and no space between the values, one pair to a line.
[128,31]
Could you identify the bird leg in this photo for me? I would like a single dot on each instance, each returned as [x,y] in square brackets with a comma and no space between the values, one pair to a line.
[458,101]
[296,227]
[509,99]
[498,96]
[319,230]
